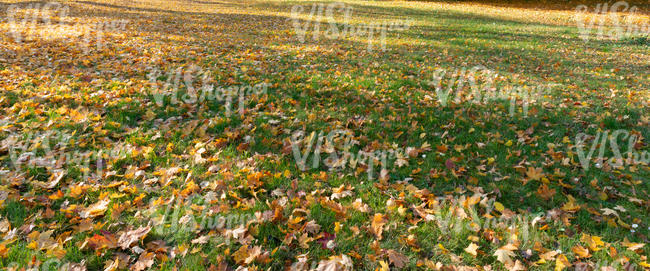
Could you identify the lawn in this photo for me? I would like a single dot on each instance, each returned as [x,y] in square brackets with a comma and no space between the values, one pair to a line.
[299,135]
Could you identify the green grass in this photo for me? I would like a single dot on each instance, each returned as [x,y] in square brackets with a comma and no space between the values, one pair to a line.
[319,86]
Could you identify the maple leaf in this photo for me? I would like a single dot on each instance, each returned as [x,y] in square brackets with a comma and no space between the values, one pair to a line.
[534,173]
[571,206]
[505,256]
[130,237]
[505,253]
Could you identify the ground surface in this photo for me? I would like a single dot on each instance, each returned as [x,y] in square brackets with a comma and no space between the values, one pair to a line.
[491,185]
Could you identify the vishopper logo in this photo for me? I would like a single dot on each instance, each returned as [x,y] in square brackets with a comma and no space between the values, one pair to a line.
[632,26]
[32,15]
[318,12]
[192,85]
[36,20]
[343,141]
[477,85]
[600,141]
[454,217]
[195,214]
[50,150]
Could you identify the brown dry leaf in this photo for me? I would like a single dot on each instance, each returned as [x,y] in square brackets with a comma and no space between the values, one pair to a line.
[130,237]
[201,240]
[85,225]
[311,227]
[336,263]
[632,246]
[304,240]
[397,259]
[144,262]
[534,173]
[545,193]
[519,266]
[101,241]
[55,178]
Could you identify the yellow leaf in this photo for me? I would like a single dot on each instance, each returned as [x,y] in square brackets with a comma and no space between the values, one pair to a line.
[241,254]
[32,245]
[561,262]
[384,266]
[581,251]
[3,251]
[444,250]
[571,206]
[498,206]
[593,242]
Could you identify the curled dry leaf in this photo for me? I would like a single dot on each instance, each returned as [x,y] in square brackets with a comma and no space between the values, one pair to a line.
[96,209]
